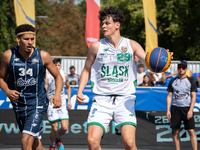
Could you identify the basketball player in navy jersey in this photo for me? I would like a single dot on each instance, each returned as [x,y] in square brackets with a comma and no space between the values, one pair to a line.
[25,67]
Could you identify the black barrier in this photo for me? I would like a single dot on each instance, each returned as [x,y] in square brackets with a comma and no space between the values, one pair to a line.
[153,128]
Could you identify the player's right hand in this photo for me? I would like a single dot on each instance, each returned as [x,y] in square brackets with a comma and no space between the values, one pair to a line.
[168,114]
[13,95]
[80,98]
[56,100]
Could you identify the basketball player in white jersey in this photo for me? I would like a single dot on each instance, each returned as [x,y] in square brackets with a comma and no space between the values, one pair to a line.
[59,114]
[110,63]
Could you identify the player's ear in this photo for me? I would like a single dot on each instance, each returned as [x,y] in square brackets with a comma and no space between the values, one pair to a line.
[18,39]
[117,25]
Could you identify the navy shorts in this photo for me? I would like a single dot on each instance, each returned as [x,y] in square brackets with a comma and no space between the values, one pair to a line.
[178,114]
[30,121]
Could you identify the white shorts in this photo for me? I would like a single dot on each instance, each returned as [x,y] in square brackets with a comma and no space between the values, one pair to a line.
[57,114]
[119,108]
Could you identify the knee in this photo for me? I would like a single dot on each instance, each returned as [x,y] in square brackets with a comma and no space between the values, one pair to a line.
[130,144]
[92,142]
[64,127]
[55,128]
[25,142]
[191,132]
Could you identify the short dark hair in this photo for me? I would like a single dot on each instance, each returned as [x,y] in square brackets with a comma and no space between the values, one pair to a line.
[140,65]
[72,67]
[56,60]
[116,14]
[23,28]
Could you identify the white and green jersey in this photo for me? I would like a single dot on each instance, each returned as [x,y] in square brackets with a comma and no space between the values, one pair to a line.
[52,88]
[114,70]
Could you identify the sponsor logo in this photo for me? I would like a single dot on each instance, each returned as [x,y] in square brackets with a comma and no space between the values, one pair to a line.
[29,82]
[105,49]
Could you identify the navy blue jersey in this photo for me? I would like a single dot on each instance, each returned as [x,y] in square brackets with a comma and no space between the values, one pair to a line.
[27,77]
[181,90]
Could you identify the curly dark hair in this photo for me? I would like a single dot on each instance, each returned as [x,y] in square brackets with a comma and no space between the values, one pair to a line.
[116,14]
[23,28]
[57,60]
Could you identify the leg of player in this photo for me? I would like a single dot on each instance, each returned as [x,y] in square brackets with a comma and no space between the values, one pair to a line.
[95,134]
[177,138]
[193,138]
[37,145]
[53,133]
[128,137]
[27,141]
[63,129]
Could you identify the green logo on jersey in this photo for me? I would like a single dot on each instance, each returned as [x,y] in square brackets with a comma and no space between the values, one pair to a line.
[131,115]
[105,49]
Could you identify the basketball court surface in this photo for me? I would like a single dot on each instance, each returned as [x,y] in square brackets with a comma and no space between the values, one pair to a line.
[84,147]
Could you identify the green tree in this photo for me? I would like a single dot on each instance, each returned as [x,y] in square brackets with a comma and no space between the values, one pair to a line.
[7,25]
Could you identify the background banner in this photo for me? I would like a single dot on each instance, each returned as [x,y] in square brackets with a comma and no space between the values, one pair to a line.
[147,99]
[150,24]
[92,27]
[153,128]
[25,12]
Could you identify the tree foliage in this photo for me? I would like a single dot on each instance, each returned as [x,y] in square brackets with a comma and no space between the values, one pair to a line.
[7,25]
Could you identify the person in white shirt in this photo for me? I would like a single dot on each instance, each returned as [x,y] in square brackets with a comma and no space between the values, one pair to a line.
[140,74]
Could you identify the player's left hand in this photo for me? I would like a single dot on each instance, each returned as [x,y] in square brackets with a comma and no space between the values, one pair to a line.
[56,100]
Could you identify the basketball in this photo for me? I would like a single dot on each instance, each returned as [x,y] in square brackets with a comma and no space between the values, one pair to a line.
[158,59]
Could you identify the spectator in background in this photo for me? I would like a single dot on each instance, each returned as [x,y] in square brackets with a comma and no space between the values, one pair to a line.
[73,76]
[188,73]
[72,82]
[140,74]
[146,81]
[136,60]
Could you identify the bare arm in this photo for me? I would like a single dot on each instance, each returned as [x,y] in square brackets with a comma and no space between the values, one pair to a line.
[68,89]
[169,100]
[172,74]
[193,101]
[13,95]
[48,63]
[85,75]
[138,50]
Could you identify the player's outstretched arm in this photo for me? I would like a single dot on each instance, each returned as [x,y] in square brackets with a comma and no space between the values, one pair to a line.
[48,63]
[13,95]
[85,75]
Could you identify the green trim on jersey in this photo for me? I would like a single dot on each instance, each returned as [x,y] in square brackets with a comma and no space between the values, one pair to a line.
[98,124]
[135,83]
[117,45]
[92,85]
[58,120]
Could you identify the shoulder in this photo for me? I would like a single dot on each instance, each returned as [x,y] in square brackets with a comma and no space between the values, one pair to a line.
[95,45]
[172,80]
[44,54]
[46,57]
[6,56]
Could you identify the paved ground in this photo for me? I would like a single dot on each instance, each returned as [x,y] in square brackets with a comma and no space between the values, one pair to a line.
[17,147]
